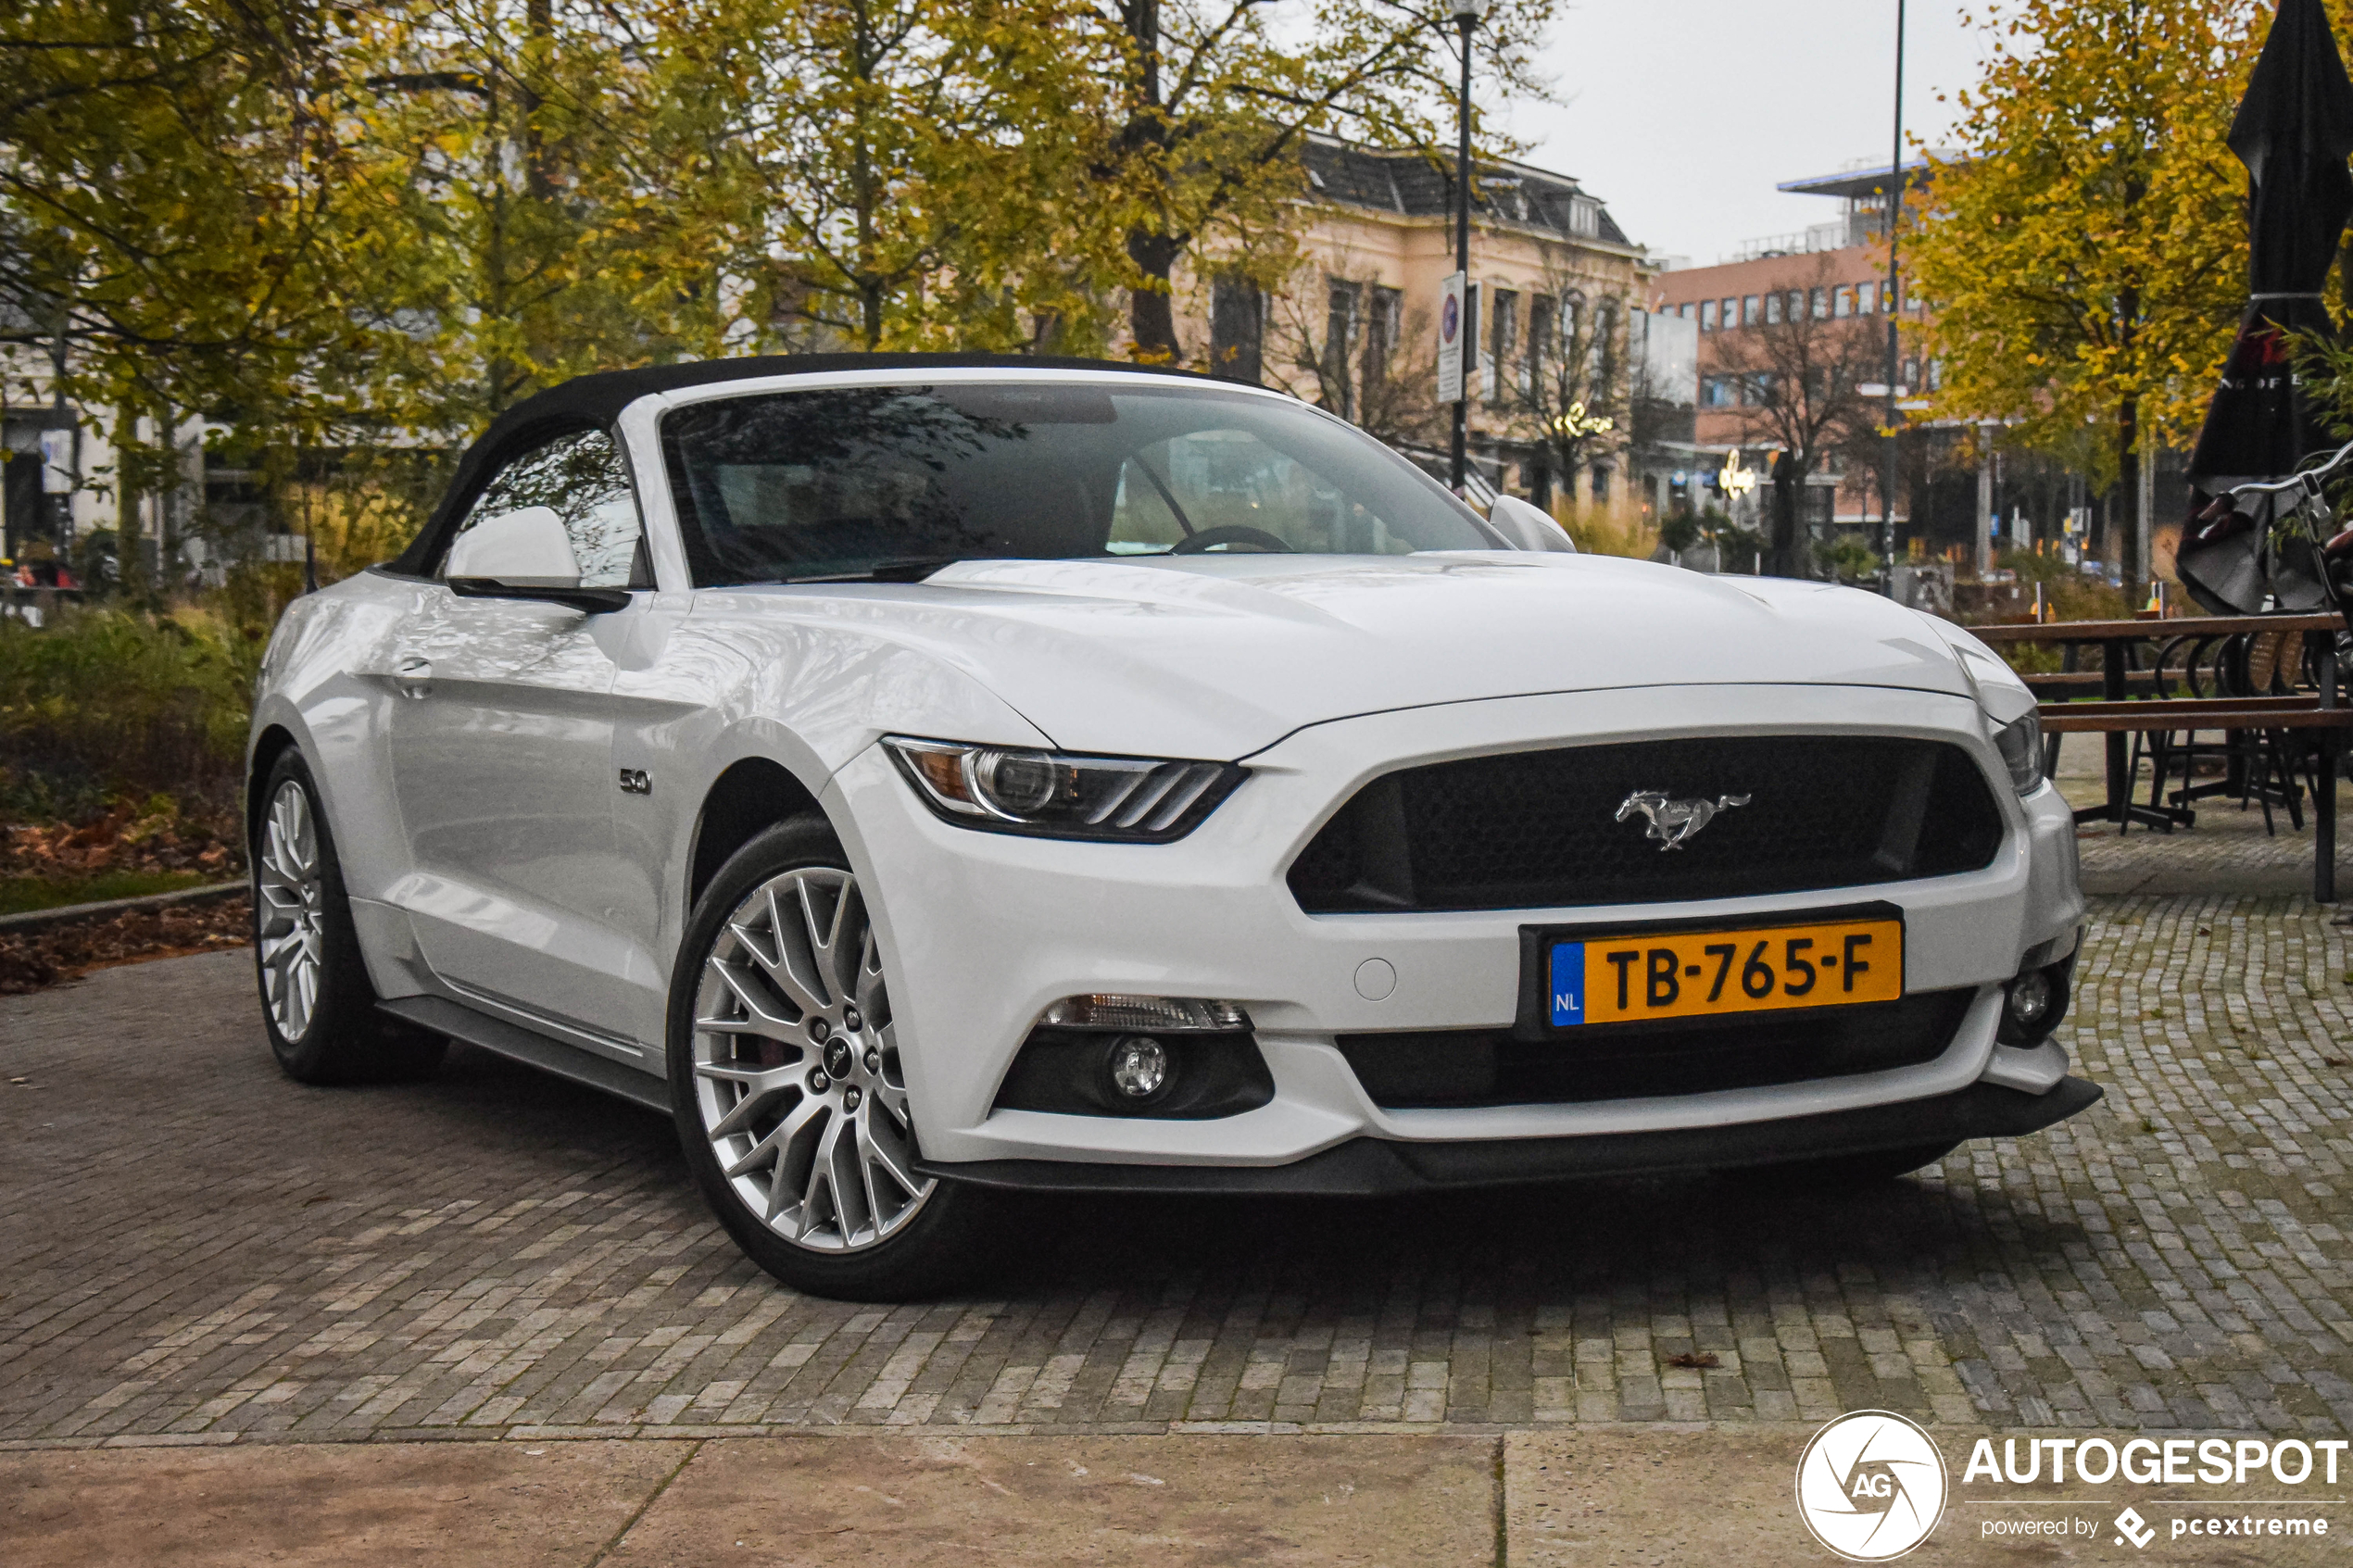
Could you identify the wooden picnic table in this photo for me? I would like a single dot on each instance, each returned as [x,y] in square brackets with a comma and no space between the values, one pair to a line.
[2116,717]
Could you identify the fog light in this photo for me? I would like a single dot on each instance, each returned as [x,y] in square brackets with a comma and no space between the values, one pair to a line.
[1138,1067]
[2030,1001]
[2034,1002]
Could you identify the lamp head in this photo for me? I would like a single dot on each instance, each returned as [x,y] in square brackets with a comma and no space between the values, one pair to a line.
[1466,13]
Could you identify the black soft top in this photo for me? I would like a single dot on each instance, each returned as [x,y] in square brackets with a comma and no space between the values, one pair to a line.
[594,401]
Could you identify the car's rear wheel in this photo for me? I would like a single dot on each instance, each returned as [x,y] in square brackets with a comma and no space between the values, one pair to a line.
[316,1001]
[787,1083]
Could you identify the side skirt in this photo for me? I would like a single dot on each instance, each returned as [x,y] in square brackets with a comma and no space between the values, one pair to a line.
[533,1050]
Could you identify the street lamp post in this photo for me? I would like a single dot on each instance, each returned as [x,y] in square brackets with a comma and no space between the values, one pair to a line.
[1895,300]
[1467,14]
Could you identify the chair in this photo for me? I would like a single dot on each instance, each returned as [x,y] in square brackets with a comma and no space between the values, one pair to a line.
[2258,766]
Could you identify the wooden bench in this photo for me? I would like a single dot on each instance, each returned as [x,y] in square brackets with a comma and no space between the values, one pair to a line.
[2307,712]
[2087,683]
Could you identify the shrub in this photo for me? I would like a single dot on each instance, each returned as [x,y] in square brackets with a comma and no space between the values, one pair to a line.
[105,703]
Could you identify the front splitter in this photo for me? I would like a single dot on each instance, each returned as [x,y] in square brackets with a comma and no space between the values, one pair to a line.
[1370,1167]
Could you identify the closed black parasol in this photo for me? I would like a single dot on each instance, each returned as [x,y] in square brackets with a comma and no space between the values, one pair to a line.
[2294,132]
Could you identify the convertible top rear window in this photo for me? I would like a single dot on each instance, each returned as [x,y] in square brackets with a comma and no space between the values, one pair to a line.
[841,482]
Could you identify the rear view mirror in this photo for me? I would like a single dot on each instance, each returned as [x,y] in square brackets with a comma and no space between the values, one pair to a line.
[1528,527]
[527,550]
[524,554]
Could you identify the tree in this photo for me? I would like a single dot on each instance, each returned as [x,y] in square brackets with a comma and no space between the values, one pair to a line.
[164,167]
[1214,101]
[1346,345]
[1801,371]
[2085,251]
[922,166]
[1572,392]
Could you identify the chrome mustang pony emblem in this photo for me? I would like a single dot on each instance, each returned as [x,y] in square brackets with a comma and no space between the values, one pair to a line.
[1675,821]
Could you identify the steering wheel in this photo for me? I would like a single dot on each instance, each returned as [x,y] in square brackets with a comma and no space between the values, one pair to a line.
[1234,534]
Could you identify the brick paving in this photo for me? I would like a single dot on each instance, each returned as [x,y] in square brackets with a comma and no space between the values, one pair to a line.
[194,1249]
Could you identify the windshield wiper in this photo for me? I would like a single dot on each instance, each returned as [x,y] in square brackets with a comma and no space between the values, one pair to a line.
[909,568]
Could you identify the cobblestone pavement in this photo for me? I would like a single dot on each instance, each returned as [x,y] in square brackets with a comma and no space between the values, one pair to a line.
[193,1249]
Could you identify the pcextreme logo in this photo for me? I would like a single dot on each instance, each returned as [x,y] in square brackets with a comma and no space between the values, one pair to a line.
[1871,1486]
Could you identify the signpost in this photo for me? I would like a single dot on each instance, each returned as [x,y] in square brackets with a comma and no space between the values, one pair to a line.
[1450,340]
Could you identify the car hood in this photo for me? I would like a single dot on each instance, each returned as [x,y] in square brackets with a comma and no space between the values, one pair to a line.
[1221,656]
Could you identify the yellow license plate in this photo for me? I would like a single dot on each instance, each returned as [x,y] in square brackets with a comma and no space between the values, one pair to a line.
[1708,974]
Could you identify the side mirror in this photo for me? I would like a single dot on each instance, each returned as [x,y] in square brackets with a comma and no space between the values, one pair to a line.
[1529,528]
[524,554]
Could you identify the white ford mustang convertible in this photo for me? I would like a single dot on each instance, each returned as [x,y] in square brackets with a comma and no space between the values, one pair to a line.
[927,779]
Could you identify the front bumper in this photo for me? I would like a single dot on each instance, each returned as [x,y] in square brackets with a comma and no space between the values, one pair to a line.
[982,932]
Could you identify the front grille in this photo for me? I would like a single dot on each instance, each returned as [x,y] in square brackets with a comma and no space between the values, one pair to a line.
[1537,829]
[1424,1069]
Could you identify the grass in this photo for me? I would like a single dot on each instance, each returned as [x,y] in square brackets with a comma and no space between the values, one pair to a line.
[23,895]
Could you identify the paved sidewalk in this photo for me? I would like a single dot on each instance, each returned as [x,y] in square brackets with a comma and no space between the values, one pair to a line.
[194,1249]
[1580,1497]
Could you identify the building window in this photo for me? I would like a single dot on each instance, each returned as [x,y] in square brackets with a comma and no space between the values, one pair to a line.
[1684,310]
[1727,319]
[1237,329]
[1503,340]
[1601,481]
[1911,373]
[1543,330]
[1797,304]
[1707,315]
[1718,392]
[1819,302]
[1339,336]
[1866,298]
[1843,302]
[1750,314]
[1772,309]
[1584,217]
[1383,316]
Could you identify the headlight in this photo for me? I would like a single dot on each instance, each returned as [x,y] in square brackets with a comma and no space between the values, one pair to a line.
[2020,741]
[1137,799]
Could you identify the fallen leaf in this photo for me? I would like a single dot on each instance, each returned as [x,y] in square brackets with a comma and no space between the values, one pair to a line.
[1695,1358]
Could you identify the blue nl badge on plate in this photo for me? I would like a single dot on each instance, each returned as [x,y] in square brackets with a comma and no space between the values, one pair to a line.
[1567,984]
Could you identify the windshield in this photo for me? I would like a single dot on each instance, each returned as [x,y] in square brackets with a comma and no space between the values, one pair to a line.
[856,480]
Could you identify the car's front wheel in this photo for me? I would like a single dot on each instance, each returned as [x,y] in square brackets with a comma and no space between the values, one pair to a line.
[316,1001]
[791,1098]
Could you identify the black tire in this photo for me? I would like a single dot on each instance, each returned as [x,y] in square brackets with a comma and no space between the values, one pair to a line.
[1867,1168]
[937,1245]
[344,1039]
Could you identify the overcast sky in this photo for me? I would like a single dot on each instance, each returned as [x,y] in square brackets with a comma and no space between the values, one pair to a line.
[1683,114]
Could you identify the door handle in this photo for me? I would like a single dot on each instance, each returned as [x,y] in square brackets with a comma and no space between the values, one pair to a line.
[412,677]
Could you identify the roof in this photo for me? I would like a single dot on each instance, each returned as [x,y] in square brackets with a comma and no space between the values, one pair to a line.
[1857,182]
[597,398]
[1412,182]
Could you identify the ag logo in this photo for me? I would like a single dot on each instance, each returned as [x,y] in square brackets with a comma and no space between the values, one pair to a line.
[1871,1486]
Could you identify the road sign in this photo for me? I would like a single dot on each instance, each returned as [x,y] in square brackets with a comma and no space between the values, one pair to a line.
[1450,340]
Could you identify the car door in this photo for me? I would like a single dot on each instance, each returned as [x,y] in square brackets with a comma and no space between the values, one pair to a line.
[501,749]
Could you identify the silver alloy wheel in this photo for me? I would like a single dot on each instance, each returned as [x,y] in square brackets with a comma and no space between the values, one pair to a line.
[797,1071]
[293,894]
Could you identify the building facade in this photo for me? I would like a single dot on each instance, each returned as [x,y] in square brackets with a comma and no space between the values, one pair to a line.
[1353,326]
[1828,277]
